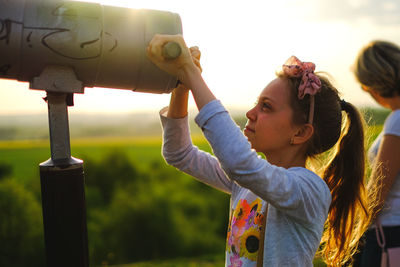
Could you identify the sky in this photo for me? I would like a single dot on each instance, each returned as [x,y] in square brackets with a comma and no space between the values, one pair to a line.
[243,43]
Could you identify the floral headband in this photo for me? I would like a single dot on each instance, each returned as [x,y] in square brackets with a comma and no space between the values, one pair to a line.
[310,83]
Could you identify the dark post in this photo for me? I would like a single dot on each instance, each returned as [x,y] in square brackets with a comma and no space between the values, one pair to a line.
[61,177]
[64,215]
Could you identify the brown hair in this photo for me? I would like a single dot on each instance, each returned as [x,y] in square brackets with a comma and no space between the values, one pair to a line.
[378,67]
[348,216]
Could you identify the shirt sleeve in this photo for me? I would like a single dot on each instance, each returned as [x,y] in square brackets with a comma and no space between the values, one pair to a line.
[392,124]
[179,152]
[303,196]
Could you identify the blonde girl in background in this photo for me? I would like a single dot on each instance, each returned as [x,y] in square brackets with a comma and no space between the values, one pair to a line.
[377,69]
[280,209]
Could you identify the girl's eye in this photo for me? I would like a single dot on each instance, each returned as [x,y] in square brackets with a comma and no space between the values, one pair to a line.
[265,106]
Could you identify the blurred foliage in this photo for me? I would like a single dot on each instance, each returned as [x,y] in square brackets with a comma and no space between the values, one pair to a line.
[21,227]
[135,211]
[150,212]
[5,170]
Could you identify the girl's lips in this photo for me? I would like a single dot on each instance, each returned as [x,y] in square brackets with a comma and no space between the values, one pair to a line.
[249,129]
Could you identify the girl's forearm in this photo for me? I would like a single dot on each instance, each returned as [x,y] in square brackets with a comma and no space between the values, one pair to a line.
[178,106]
[201,93]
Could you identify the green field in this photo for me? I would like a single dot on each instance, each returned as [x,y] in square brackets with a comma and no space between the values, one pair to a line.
[25,156]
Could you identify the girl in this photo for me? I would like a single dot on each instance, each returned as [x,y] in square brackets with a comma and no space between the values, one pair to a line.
[278,206]
[377,69]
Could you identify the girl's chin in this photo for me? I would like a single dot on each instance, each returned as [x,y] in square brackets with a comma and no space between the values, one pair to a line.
[251,145]
[247,133]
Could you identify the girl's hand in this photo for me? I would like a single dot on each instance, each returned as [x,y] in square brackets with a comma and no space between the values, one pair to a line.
[185,65]
[196,54]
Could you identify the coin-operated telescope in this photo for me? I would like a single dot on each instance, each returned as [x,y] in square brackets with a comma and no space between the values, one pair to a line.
[62,47]
[103,45]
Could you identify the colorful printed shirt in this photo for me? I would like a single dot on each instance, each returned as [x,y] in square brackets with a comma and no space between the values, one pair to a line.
[245,230]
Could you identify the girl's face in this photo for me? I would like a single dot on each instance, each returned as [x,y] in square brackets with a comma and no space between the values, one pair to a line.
[269,128]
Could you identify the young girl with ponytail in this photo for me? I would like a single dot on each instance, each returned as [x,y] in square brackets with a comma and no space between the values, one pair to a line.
[280,208]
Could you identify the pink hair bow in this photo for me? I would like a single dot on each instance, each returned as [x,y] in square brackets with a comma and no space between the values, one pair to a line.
[310,83]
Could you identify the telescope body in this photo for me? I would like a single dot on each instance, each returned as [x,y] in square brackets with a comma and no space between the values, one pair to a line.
[104,45]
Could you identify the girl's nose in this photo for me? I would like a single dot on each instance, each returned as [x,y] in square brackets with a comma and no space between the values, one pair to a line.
[251,114]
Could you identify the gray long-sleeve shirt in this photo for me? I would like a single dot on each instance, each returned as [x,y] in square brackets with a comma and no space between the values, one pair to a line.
[298,199]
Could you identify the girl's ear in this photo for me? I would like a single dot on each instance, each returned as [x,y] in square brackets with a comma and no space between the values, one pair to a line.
[303,134]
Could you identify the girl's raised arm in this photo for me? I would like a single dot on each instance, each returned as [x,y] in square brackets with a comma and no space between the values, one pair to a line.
[178,106]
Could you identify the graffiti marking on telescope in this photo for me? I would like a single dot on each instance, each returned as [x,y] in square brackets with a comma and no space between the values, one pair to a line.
[115,42]
[68,42]
[62,41]
[53,40]
[6,28]
[77,40]
[88,42]
[28,39]
[68,48]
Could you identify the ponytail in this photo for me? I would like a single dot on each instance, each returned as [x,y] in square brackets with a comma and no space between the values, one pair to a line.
[349,214]
[338,129]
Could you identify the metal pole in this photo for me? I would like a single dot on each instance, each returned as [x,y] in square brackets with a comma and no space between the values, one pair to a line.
[63,193]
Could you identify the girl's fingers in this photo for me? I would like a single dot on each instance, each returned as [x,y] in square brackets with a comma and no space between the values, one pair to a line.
[196,54]
[177,66]
[153,52]
[197,63]
[194,50]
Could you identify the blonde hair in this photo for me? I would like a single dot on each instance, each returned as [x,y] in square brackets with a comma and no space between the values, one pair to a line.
[378,67]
